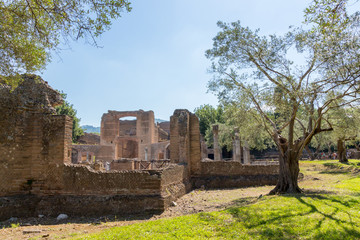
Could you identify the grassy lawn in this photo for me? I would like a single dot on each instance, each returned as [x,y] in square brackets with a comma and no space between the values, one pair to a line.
[329,209]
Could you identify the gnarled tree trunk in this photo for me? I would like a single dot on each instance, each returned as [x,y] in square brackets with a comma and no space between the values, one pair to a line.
[341,151]
[288,170]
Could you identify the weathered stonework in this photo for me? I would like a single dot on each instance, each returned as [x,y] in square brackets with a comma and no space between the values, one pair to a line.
[186,149]
[130,138]
[40,171]
[140,140]
[185,140]
[36,173]
[33,142]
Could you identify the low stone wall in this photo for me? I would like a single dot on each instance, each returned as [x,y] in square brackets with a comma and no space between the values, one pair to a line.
[175,182]
[78,205]
[86,181]
[87,192]
[232,174]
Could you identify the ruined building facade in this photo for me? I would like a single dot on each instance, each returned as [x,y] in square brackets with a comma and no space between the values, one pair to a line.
[38,174]
[124,144]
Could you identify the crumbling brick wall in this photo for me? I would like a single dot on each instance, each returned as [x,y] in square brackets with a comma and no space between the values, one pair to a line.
[33,141]
[82,180]
[231,174]
[175,182]
[36,174]
[185,140]
[140,133]
[37,177]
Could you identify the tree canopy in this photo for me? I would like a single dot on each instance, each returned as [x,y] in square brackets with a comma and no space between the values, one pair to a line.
[230,118]
[68,109]
[208,115]
[292,80]
[31,29]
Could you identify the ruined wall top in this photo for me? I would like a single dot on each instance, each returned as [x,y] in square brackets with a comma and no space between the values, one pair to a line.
[32,94]
[120,114]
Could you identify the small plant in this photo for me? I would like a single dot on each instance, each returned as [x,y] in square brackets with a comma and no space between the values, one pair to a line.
[15,225]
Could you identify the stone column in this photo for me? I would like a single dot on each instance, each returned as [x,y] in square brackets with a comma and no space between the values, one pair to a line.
[234,150]
[217,152]
[237,147]
[146,153]
[246,153]
[204,148]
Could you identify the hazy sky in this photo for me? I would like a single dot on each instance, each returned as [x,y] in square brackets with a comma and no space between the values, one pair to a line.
[153,57]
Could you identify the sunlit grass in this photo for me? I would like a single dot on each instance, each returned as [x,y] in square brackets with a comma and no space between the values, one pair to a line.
[271,217]
[352,184]
[351,162]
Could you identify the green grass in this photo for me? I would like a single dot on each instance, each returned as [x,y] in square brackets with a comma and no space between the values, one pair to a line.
[352,162]
[271,217]
[352,184]
[335,215]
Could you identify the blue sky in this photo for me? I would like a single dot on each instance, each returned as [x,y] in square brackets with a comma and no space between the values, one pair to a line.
[153,57]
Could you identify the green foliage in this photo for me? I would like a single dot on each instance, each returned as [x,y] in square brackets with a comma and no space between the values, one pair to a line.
[208,115]
[292,80]
[231,115]
[68,109]
[15,225]
[31,29]
[345,122]
[239,115]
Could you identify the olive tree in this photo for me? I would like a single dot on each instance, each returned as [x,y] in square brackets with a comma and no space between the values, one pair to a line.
[305,71]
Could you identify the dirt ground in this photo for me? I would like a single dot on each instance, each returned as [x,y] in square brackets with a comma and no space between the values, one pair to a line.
[196,201]
[193,202]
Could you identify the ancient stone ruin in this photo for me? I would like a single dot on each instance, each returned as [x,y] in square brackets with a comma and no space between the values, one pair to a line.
[42,172]
[127,144]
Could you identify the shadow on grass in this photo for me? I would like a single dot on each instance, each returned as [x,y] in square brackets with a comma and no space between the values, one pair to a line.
[283,222]
[318,191]
[244,201]
[334,172]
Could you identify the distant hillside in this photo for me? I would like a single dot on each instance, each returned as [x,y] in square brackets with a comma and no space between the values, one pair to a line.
[157,120]
[90,129]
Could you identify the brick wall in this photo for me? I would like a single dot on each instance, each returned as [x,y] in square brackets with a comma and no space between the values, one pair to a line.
[33,157]
[87,192]
[231,168]
[82,180]
[231,174]
[175,182]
